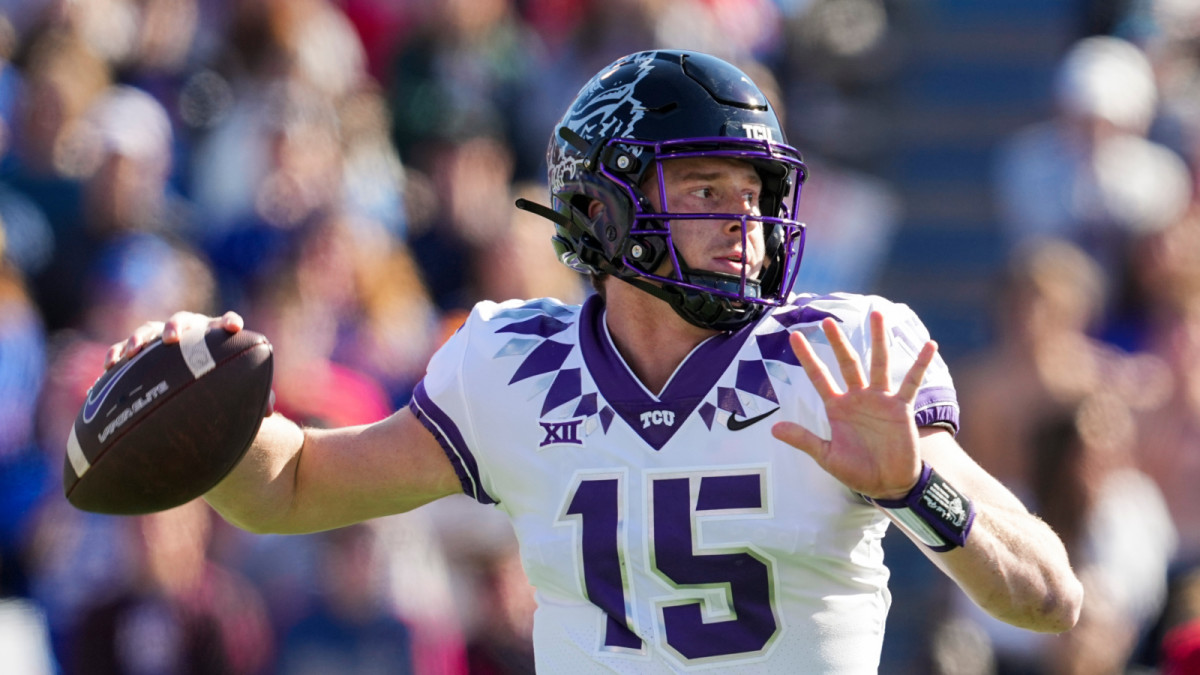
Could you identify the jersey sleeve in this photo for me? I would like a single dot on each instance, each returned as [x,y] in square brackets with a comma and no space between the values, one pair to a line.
[440,402]
[937,400]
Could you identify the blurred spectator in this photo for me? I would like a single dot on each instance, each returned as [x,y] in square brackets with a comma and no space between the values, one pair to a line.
[521,263]
[367,286]
[462,74]
[181,613]
[372,175]
[493,598]
[1090,175]
[139,276]
[275,153]
[1181,644]
[423,586]
[472,180]
[839,64]
[1115,523]
[350,627]
[310,387]
[24,637]
[500,643]
[1171,431]
[1162,318]
[62,77]
[852,218]
[1118,533]
[1050,299]
[22,343]
[382,25]
[1169,32]
[71,559]
[23,469]
[396,325]
[736,29]
[596,33]
[124,143]
[28,239]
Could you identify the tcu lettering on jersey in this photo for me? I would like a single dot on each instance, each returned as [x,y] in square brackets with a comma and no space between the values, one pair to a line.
[657,418]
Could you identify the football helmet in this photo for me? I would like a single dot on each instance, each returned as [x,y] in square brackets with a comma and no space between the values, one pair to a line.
[651,107]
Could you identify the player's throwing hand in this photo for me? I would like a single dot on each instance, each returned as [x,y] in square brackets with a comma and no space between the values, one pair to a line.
[170,332]
[873,446]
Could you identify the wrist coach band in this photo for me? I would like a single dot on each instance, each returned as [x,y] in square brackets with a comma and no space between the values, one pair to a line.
[936,513]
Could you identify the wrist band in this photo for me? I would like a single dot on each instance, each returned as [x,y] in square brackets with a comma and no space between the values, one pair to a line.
[934,512]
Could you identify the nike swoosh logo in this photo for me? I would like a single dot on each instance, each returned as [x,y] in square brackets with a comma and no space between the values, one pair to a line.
[736,424]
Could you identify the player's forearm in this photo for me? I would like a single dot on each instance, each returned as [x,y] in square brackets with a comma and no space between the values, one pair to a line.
[1016,569]
[1010,562]
[258,494]
[294,481]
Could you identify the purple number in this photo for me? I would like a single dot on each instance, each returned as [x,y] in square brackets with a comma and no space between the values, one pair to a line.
[745,576]
[597,503]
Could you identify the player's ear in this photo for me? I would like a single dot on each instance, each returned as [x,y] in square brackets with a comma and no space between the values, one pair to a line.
[595,209]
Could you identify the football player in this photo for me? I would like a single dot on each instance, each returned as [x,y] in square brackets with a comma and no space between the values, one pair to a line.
[700,463]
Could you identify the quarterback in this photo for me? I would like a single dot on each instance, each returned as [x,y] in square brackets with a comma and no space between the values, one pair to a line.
[700,462]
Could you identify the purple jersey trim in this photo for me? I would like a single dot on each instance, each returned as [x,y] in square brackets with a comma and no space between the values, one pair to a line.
[453,444]
[937,406]
[691,383]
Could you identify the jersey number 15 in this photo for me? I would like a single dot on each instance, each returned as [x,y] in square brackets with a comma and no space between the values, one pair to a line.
[740,576]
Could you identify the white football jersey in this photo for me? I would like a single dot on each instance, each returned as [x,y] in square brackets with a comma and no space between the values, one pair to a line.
[673,532]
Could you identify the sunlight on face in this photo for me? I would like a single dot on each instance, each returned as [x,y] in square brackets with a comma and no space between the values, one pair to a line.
[712,185]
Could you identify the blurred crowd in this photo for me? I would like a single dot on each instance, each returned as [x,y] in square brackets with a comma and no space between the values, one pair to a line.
[342,173]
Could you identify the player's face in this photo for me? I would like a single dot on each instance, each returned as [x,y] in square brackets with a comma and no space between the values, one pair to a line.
[712,185]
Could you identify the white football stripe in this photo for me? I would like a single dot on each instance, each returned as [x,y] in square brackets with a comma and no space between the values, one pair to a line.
[196,355]
[75,453]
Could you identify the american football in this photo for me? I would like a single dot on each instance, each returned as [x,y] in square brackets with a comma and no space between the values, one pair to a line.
[164,426]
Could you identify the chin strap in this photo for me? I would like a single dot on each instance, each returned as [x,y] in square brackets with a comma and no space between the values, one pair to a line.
[698,307]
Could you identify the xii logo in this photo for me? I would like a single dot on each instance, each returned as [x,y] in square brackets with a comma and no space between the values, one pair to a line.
[561,432]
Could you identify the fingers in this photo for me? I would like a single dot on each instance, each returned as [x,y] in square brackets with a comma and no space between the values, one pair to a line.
[141,336]
[181,322]
[817,373]
[847,359]
[851,366]
[170,332]
[230,321]
[916,374]
[798,437]
[880,366]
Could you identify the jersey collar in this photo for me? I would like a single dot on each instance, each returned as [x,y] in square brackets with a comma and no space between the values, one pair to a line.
[687,388]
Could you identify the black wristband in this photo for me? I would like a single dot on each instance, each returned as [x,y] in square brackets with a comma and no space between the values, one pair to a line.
[934,511]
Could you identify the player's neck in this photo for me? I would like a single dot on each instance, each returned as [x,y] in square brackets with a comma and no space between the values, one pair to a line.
[650,336]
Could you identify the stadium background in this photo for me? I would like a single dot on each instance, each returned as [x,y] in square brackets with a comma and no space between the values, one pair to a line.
[342,173]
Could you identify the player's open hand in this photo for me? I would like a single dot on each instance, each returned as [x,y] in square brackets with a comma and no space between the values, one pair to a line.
[170,332]
[873,448]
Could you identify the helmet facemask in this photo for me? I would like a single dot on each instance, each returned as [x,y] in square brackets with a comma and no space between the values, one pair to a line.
[710,299]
